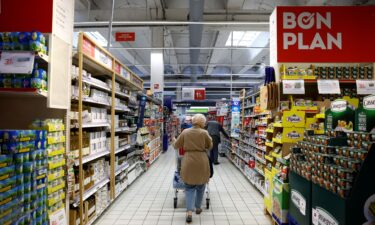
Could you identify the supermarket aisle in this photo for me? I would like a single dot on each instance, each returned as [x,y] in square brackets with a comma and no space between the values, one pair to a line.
[149,200]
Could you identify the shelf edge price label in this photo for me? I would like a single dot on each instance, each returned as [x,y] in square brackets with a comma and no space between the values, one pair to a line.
[294,87]
[329,87]
[17,62]
[365,87]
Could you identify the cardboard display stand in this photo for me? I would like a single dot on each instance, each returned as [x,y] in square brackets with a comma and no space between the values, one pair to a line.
[358,209]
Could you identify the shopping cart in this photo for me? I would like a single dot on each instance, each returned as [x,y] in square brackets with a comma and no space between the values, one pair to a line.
[178,183]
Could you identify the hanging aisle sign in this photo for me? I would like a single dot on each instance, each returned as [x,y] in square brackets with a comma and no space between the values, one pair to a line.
[324,33]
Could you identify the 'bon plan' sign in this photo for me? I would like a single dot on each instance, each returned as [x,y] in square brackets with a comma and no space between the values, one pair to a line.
[324,34]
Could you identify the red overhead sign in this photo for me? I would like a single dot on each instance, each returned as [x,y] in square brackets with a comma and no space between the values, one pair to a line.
[26,16]
[125,36]
[199,94]
[325,34]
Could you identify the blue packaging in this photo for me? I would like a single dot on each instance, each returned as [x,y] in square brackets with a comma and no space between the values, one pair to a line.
[8,184]
[40,73]
[6,160]
[7,172]
[41,134]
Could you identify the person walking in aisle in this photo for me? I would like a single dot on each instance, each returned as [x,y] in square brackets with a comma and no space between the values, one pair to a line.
[195,169]
[187,123]
[214,128]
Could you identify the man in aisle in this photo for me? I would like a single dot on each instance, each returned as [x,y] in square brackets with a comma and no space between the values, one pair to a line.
[214,128]
[187,123]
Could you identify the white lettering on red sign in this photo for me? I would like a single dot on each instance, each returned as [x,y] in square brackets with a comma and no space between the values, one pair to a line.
[306,21]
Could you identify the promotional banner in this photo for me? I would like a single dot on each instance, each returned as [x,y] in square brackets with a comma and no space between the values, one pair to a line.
[200,94]
[235,122]
[325,34]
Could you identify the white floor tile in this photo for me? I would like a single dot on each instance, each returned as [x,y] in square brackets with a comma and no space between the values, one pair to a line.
[149,200]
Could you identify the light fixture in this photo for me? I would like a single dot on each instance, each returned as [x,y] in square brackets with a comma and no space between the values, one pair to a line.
[242,38]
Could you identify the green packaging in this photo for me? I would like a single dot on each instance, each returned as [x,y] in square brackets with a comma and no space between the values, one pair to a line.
[365,115]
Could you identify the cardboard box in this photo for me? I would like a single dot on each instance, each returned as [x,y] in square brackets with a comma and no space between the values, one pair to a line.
[292,134]
[280,201]
[294,119]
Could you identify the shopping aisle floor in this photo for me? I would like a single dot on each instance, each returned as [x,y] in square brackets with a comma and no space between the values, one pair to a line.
[149,200]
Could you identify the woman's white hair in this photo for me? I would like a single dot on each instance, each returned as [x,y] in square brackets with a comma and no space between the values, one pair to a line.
[199,120]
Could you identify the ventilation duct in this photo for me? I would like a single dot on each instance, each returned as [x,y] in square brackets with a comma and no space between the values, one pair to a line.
[195,34]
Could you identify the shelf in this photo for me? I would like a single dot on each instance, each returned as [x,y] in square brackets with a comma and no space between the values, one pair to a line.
[123,149]
[253,94]
[91,101]
[256,115]
[124,129]
[277,140]
[91,157]
[56,152]
[269,130]
[133,166]
[94,125]
[259,171]
[121,94]
[319,132]
[155,159]
[118,109]
[320,116]
[23,92]
[95,85]
[269,144]
[38,55]
[253,183]
[91,191]
[239,156]
[128,83]
[121,169]
[94,67]
[261,160]
[269,158]
[250,106]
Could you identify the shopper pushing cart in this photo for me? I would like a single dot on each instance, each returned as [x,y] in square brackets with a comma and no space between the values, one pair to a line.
[195,167]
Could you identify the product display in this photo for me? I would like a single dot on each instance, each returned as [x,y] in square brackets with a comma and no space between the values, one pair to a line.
[23,177]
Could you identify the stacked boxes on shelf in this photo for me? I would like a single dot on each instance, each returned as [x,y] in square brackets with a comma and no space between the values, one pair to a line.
[23,177]
[56,162]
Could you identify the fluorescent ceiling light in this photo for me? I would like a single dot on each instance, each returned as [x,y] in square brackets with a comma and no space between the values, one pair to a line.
[98,38]
[242,38]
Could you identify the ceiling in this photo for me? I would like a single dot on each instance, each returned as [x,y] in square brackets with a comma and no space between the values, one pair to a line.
[220,66]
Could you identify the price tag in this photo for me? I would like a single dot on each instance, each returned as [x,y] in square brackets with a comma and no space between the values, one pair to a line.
[294,87]
[329,87]
[58,218]
[17,62]
[365,87]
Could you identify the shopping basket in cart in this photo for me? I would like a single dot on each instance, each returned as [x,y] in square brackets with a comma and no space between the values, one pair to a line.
[178,183]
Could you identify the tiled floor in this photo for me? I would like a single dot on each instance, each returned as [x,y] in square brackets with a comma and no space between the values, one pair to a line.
[149,200]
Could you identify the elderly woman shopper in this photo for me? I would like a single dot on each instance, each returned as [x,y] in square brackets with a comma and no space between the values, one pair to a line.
[195,169]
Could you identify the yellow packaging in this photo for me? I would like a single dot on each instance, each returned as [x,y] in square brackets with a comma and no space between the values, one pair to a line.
[268,180]
[311,123]
[294,119]
[293,134]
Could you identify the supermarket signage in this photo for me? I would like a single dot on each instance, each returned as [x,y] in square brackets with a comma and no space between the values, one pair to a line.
[365,87]
[200,94]
[369,102]
[17,62]
[299,201]
[125,36]
[329,87]
[339,105]
[294,87]
[324,34]
[90,49]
